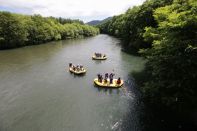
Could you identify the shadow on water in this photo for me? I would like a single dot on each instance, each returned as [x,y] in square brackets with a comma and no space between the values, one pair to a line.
[131,118]
[138,114]
[97,61]
[152,118]
[125,47]
[77,75]
[145,115]
[108,90]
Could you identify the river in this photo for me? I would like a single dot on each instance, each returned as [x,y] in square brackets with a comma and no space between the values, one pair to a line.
[38,93]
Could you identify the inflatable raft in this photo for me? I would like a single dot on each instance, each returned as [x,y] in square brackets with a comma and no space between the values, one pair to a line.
[99,58]
[77,72]
[107,84]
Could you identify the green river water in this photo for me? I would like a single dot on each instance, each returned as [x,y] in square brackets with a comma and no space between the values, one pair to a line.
[38,93]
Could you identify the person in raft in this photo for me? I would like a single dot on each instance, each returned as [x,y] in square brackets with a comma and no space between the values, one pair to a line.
[70,64]
[105,80]
[96,54]
[111,78]
[118,81]
[100,77]
[81,67]
[74,68]
[106,75]
[77,67]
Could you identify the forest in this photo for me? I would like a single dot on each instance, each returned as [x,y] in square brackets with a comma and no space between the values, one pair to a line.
[165,33]
[18,30]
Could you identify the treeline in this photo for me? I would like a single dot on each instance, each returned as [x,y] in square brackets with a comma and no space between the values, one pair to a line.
[66,21]
[165,32]
[130,25]
[19,30]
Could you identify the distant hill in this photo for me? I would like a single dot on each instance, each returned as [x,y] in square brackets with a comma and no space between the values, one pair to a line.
[93,22]
[97,22]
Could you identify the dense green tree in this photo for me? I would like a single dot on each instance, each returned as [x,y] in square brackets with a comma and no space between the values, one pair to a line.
[165,32]
[68,21]
[19,30]
[130,26]
[172,60]
[12,31]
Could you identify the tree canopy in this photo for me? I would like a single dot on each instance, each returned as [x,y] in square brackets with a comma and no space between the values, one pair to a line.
[165,32]
[19,30]
[130,25]
[172,59]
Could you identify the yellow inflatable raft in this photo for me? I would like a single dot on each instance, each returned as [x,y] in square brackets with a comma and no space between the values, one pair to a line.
[107,84]
[99,58]
[77,72]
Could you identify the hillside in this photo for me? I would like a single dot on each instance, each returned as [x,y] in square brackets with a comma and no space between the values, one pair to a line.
[97,22]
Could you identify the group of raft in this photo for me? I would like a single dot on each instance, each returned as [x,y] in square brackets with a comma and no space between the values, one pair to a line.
[76,69]
[108,81]
[99,56]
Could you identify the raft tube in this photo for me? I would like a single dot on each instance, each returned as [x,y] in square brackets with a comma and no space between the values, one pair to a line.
[107,84]
[77,72]
[99,58]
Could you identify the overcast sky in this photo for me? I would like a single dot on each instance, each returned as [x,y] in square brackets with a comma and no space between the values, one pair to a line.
[85,10]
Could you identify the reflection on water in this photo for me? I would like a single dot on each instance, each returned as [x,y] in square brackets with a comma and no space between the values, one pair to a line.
[38,93]
[98,61]
[108,90]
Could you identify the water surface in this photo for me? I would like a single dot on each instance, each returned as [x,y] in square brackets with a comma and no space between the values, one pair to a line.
[37,93]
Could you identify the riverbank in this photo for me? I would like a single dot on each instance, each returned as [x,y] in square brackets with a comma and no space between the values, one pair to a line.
[20,30]
[170,119]
[164,32]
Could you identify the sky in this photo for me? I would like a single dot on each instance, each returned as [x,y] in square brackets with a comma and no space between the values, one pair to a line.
[85,10]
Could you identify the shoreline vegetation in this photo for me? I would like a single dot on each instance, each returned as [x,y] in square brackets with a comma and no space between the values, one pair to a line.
[165,33]
[162,31]
[18,30]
